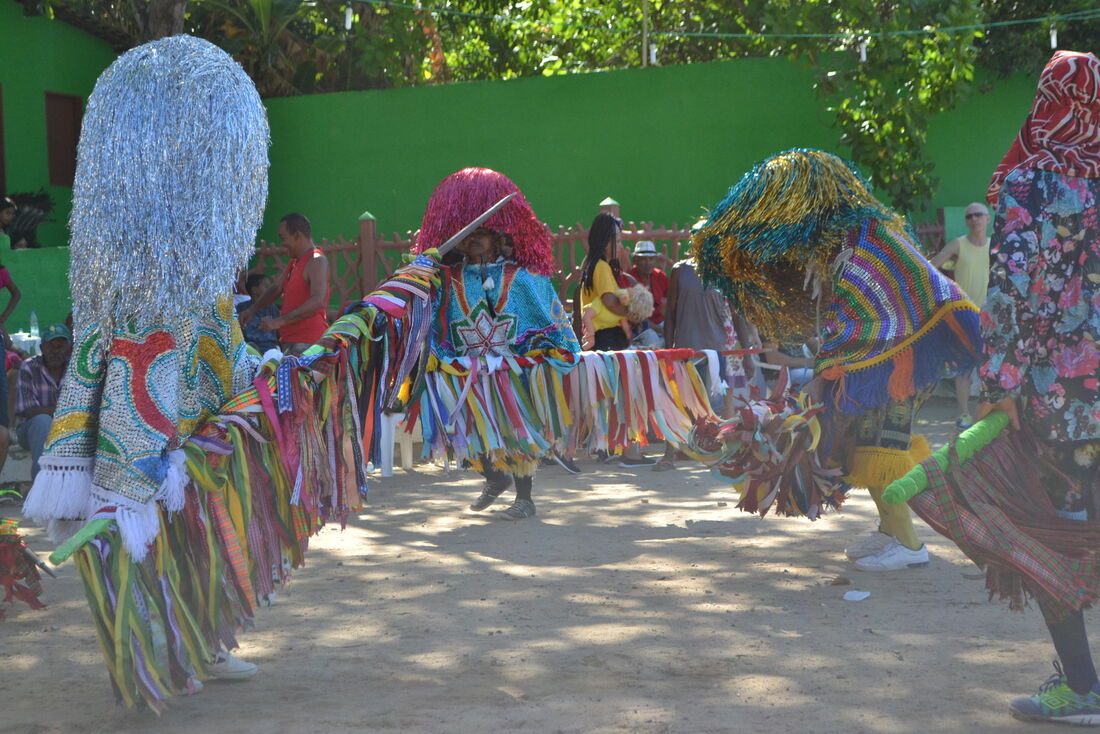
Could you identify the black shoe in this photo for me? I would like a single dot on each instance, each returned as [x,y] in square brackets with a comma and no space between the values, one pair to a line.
[602,457]
[629,463]
[520,510]
[489,494]
[568,464]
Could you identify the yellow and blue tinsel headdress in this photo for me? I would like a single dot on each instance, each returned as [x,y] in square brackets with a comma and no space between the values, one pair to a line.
[787,216]
[802,248]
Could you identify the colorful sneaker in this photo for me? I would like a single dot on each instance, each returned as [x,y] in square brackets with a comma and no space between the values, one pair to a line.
[894,557]
[520,510]
[1057,703]
[873,544]
[964,422]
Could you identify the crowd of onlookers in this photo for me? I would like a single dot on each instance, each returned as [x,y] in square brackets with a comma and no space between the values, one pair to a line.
[32,384]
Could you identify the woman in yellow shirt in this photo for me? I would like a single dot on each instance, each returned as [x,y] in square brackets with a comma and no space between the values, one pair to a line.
[598,291]
[598,283]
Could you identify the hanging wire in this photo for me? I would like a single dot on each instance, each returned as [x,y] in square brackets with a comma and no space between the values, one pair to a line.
[839,36]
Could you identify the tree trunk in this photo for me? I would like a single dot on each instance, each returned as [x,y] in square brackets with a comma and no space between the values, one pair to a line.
[165,19]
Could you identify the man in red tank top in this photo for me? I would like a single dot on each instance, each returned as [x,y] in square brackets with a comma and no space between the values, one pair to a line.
[303,285]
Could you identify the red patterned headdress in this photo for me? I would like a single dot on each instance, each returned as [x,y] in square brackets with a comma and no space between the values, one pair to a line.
[1062,131]
[463,195]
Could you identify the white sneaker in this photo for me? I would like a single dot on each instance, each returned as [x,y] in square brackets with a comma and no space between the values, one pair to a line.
[873,544]
[895,557]
[227,667]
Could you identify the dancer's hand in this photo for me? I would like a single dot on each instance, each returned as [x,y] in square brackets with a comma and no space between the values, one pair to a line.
[1007,404]
[815,388]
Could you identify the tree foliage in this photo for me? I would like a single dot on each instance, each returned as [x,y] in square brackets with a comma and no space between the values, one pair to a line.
[1008,49]
[882,86]
[882,99]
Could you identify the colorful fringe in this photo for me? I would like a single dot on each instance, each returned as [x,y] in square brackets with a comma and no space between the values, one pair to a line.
[288,453]
[769,448]
[516,410]
[19,576]
[280,459]
[874,467]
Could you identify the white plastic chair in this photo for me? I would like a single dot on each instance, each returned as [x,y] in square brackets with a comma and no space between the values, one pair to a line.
[393,432]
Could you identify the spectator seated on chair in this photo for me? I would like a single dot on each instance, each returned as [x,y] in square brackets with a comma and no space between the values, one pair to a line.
[255,335]
[37,388]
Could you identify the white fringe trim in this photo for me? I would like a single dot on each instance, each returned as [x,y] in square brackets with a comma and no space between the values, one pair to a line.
[138,522]
[138,526]
[61,489]
[171,489]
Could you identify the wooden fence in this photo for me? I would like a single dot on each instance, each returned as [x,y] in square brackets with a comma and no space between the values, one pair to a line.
[357,266]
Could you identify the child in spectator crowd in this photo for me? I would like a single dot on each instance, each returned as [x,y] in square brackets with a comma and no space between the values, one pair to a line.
[254,334]
[638,302]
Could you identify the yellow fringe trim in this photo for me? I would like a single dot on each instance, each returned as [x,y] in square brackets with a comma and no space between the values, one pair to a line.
[874,467]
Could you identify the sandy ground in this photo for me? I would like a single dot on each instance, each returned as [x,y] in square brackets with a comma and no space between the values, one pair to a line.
[634,602]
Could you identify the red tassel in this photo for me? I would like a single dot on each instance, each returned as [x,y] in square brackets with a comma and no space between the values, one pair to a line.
[901,379]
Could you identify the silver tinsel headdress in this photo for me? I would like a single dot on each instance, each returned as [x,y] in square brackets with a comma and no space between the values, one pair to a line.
[171,182]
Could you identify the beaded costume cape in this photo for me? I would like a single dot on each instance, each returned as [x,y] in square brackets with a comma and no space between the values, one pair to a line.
[129,400]
[518,314]
[895,324]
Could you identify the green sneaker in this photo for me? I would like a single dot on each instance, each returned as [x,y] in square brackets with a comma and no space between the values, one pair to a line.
[10,495]
[1057,703]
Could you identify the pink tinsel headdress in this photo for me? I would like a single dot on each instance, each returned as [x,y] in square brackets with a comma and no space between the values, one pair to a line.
[464,194]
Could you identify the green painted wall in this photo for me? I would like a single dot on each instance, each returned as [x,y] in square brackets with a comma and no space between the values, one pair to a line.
[39,55]
[43,278]
[969,141]
[664,142]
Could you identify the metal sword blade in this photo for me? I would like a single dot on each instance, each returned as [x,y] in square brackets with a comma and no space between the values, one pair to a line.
[469,228]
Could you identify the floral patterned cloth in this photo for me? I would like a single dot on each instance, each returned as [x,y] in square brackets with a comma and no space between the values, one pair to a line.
[1042,314]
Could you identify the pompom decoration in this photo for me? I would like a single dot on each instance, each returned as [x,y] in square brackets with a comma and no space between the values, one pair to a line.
[463,195]
[639,304]
[769,449]
[171,181]
[19,578]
